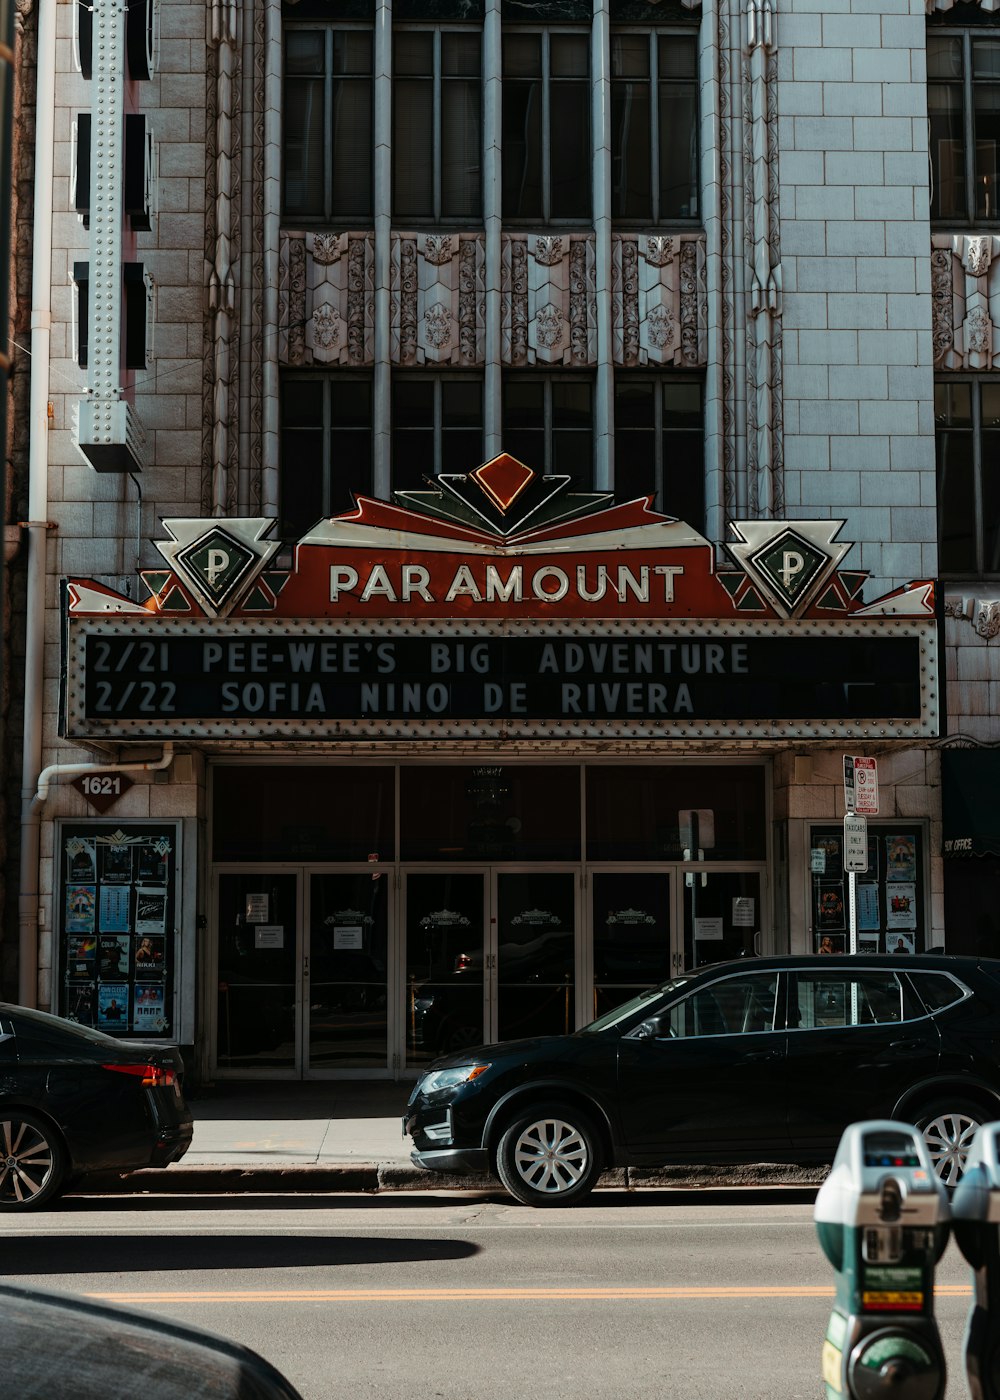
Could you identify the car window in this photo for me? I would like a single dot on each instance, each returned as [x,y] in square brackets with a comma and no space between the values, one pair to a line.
[937,990]
[731,1006]
[835,998]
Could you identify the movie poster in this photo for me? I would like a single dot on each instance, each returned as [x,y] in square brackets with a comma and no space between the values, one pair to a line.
[80,1003]
[81,860]
[80,906]
[114,956]
[112,1006]
[116,863]
[114,908]
[829,908]
[149,959]
[150,910]
[148,1012]
[901,907]
[81,956]
[900,858]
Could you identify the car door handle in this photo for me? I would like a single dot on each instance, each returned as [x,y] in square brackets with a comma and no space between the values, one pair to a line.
[758,1055]
[906,1044]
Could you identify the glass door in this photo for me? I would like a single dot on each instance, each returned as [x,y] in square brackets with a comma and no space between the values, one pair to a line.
[346,971]
[536,956]
[258,971]
[632,920]
[444,962]
[722,915]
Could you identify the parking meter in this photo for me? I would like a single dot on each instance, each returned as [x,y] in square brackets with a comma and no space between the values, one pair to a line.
[882,1220]
[975,1211]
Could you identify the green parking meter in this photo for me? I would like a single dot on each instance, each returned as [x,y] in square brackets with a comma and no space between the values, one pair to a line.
[975,1212]
[882,1219]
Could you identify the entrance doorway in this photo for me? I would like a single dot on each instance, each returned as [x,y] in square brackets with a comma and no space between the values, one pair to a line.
[376,971]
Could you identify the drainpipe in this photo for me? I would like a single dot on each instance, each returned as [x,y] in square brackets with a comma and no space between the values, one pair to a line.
[38,501]
[57,771]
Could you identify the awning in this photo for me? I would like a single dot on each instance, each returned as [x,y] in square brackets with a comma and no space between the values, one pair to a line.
[970,781]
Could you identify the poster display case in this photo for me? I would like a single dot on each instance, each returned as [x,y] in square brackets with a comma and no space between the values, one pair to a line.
[116,913]
[889,894]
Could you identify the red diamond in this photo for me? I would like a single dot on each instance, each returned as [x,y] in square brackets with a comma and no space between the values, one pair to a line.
[503,479]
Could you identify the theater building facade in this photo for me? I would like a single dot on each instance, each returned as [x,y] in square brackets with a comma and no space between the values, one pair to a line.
[480,469]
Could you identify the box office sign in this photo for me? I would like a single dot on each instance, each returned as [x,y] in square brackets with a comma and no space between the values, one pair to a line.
[500,604]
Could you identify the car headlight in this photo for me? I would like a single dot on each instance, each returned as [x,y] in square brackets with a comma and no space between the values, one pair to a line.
[451,1078]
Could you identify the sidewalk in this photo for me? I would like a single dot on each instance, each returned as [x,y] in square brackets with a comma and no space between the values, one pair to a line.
[276,1136]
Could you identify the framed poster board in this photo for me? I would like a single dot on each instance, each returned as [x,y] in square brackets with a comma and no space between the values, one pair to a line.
[889,894]
[116,916]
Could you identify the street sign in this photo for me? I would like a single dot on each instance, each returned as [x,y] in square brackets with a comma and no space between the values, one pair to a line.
[861,786]
[855,844]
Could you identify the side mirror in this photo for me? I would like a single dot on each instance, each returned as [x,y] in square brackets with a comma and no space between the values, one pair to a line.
[654,1028]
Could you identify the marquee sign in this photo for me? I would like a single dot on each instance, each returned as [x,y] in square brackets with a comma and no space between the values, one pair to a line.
[500,604]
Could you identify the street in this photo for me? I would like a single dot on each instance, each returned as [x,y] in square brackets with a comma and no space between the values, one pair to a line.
[700,1295]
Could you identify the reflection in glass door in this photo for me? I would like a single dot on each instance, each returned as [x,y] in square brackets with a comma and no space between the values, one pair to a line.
[258,970]
[445,963]
[722,915]
[347,962]
[536,953]
[631,923]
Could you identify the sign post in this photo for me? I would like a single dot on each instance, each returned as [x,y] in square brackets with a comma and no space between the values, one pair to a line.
[860,801]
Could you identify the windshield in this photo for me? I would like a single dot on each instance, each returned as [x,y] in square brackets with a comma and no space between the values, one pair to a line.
[618,1014]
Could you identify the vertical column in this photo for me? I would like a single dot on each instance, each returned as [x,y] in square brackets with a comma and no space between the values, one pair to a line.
[604,407]
[711,190]
[272,232]
[492,216]
[382,406]
[221,281]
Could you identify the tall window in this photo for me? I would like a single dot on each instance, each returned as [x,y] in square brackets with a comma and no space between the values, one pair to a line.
[963,106]
[437,125]
[659,445]
[546,125]
[326,447]
[437,426]
[967,419]
[548,424]
[654,126]
[327,124]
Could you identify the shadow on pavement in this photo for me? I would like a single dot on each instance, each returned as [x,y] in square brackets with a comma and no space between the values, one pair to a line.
[129,1254]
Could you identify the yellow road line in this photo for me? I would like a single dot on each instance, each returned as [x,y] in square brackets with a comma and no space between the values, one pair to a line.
[461,1295]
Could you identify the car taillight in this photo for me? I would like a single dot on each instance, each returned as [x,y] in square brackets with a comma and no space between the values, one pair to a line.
[153,1076]
[462,962]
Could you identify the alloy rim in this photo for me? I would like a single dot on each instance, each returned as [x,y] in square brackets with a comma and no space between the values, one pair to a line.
[948,1137]
[25,1161]
[551,1156]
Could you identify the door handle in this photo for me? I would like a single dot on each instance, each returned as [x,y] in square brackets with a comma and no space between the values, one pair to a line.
[756,1056]
[906,1044]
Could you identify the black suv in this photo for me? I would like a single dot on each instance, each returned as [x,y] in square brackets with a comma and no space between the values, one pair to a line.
[766,1059]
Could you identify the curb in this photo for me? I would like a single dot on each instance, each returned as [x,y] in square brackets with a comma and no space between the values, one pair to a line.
[369,1178]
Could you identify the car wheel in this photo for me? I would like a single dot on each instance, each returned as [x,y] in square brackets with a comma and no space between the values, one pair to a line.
[550,1156]
[948,1128]
[32,1161]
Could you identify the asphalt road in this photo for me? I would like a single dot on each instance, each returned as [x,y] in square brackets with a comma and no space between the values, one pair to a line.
[712,1295]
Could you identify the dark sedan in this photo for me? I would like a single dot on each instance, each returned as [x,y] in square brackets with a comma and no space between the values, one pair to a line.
[766,1059]
[73,1101]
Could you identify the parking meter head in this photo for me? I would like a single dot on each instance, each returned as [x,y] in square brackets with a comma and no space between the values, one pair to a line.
[976,1200]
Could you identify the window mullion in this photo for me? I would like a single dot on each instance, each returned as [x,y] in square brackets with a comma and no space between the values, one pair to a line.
[327,446]
[546,94]
[654,120]
[969,130]
[437,156]
[328,123]
[977,472]
[438,426]
[547,419]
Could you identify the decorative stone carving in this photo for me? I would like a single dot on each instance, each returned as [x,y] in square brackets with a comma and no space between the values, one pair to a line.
[325,299]
[965,301]
[436,296]
[548,300]
[659,307]
[982,613]
[932,5]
